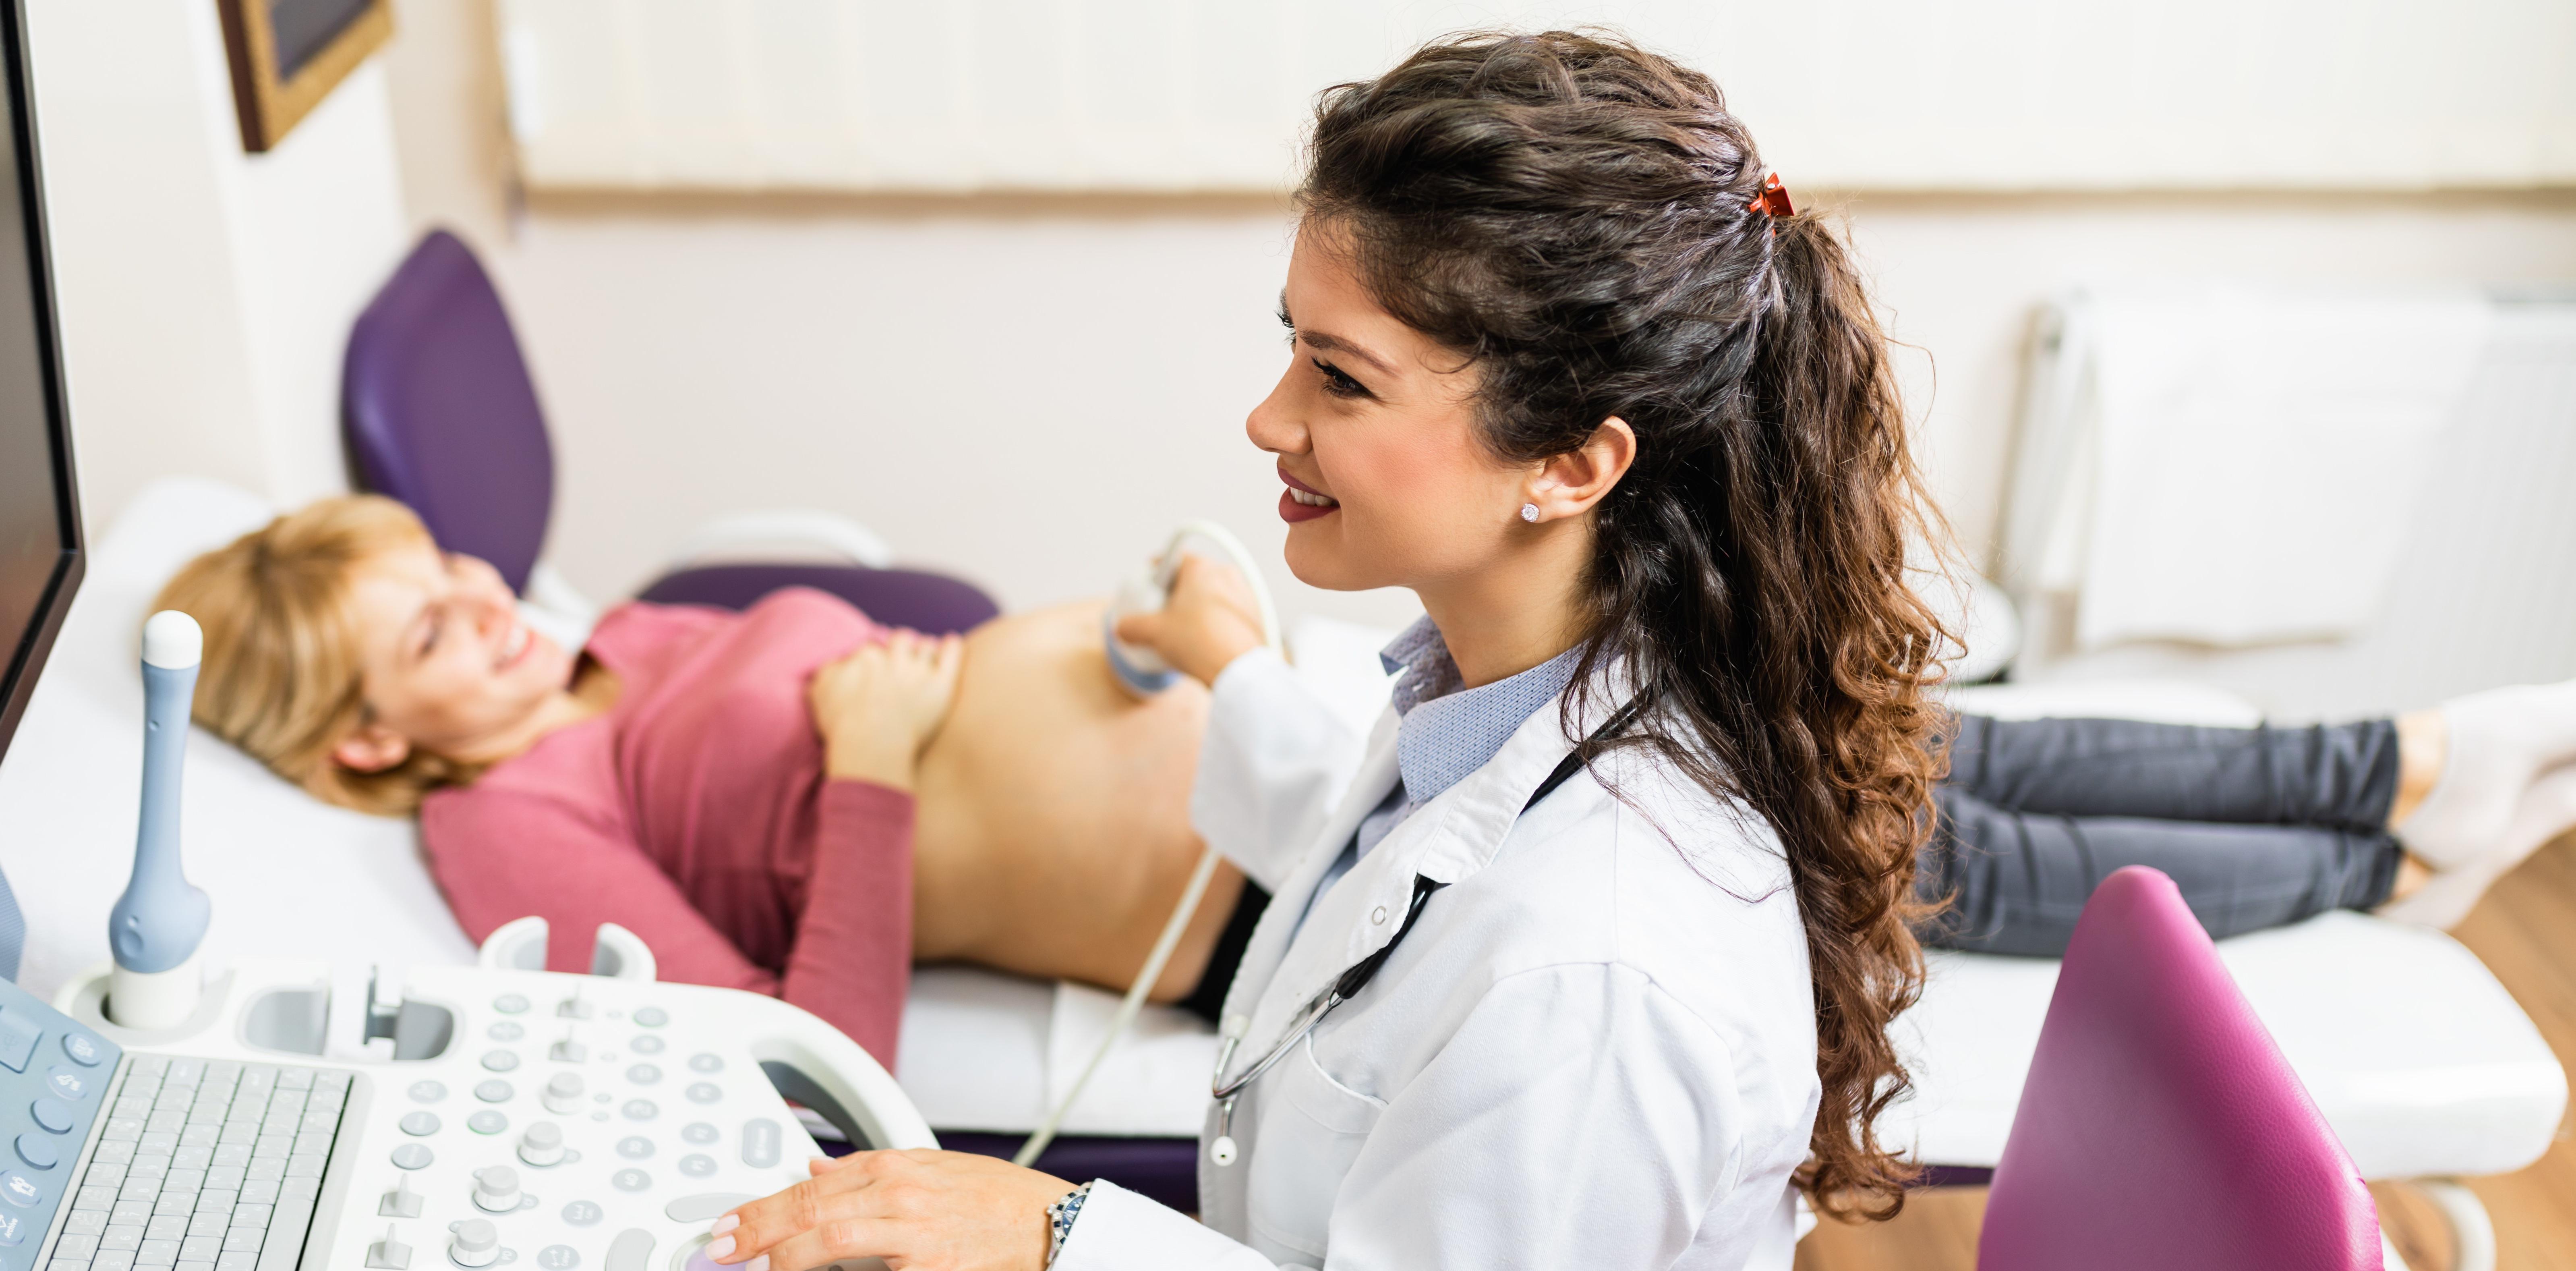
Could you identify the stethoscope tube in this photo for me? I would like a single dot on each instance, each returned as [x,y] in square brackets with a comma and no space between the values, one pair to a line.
[1222,1150]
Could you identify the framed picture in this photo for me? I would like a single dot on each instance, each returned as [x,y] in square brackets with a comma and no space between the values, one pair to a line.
[288,55]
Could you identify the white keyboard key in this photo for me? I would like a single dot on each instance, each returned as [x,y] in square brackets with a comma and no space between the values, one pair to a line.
[136,1212]
[200,1248]
[80,1247]
[244,1239]
[257,1190]
[123,1235]
[66,1264]
[113,1153]
[86,1222]
[209,1221]
[157,1253]
[122,1129]
[231,1261]
[253,1215]
[113,1260]
[166,1227]
[99,1198]
[226,1178]
[194,1264]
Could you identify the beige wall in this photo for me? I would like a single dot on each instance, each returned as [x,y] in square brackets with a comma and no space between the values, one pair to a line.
[1029,392]
[204,293]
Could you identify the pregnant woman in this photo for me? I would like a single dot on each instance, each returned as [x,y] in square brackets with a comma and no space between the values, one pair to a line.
[770,799]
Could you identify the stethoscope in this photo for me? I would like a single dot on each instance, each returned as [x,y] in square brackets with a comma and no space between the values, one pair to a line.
[1222,1149]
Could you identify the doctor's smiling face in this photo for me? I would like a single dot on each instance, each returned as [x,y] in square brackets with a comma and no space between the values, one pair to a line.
[1374,425]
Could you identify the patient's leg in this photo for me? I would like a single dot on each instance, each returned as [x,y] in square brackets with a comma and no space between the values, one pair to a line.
[1053,831]
[2345,776]
[2016,880]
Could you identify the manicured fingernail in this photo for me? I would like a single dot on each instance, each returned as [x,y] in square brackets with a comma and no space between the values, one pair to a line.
[760,1263]
[725,1224]
[720,1248]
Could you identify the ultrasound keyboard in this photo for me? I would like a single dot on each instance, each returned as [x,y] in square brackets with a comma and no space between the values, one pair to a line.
[451,1117]
[205,1165]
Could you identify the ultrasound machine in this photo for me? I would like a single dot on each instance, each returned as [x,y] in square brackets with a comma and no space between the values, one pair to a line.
[164,1115]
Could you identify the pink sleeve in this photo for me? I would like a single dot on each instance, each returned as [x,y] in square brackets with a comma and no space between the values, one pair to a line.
[852,963]
[501,855]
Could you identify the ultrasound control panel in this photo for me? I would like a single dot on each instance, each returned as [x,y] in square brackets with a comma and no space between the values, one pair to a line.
[55,1075]
[576,1123]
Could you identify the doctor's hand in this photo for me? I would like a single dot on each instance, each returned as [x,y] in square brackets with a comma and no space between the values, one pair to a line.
[879,706]
[918,1210]
[1210,620]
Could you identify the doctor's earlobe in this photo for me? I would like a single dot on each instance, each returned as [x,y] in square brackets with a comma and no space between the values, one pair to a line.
[1529,513]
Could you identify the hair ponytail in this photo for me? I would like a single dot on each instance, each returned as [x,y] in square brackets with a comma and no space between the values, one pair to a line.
[1579,217]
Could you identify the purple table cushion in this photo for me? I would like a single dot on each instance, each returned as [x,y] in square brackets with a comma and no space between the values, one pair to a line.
[1165,1170]
[934,604]
[440,413]
[2160,1126]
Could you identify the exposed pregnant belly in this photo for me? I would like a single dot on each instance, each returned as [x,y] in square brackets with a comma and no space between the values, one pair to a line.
[1053,836]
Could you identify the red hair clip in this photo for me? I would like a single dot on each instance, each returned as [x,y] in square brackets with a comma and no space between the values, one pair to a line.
[1774,200]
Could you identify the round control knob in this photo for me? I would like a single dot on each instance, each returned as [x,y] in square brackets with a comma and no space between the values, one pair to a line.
[496,1190]
[562,1093]
[543,1144]
[477,1243]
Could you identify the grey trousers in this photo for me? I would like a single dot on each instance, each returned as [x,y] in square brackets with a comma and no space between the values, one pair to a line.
[2258,826]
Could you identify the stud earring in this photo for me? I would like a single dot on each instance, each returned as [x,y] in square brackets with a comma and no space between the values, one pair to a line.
[1529,513]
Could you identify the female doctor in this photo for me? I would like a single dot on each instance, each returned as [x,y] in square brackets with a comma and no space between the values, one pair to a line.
[1592,959]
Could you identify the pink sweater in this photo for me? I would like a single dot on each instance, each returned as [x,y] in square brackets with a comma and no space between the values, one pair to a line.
[695,814]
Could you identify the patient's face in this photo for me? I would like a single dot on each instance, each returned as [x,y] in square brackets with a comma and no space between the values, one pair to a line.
[1378,418]
[448,665]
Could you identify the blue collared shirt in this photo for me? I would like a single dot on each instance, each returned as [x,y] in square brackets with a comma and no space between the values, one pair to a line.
[1444,731]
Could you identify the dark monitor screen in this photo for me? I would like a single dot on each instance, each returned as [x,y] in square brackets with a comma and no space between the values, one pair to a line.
[40,534]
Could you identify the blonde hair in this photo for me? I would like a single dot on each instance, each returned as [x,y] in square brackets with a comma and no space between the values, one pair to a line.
[281,677]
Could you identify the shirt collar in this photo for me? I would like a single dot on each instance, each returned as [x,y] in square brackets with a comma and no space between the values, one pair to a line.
[1448,731]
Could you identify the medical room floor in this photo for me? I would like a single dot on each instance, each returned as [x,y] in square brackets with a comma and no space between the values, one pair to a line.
[2526,932]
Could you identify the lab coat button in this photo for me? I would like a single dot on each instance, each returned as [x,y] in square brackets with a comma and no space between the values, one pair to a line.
[1378,915]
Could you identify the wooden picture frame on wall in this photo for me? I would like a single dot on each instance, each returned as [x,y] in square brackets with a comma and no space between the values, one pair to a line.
[288,55]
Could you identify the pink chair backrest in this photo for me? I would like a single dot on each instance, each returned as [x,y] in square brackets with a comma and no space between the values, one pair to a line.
[2160,1126]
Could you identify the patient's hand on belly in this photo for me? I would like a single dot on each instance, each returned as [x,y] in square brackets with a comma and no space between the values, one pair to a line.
[1052,835]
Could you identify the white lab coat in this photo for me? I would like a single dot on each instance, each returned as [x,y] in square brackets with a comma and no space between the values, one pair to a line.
[1596,1049]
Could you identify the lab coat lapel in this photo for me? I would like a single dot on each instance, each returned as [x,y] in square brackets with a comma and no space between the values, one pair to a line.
[1446,841]
[1261,955]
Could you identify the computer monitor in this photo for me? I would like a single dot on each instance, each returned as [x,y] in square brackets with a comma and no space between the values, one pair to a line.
[41,550]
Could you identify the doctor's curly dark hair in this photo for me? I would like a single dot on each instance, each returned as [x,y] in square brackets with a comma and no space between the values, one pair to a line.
[1575,216]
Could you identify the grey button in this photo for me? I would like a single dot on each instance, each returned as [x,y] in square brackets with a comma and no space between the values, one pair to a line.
[640,1110]
[510,1004]
[702,1206]
[57,1117]
[630,1180]
[501,1060]
[643,1074]
[700,1132]
[67,1083]
[417,1124]
[38,1150]
[760,1142]
[697,1165]
[82,1049]
[493,1091]
[413,1156]
[505,1031]
[487,1121]
[630,1251]
[706,1063]
[646,1045]
[583,1213]
[427,1092]
[651,1016]
[558,1258]
[704,1092]
[635,1147]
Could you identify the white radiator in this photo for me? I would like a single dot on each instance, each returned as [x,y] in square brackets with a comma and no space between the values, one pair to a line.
[2484,587]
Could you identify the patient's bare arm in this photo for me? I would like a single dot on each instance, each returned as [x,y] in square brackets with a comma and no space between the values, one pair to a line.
[1052,834]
